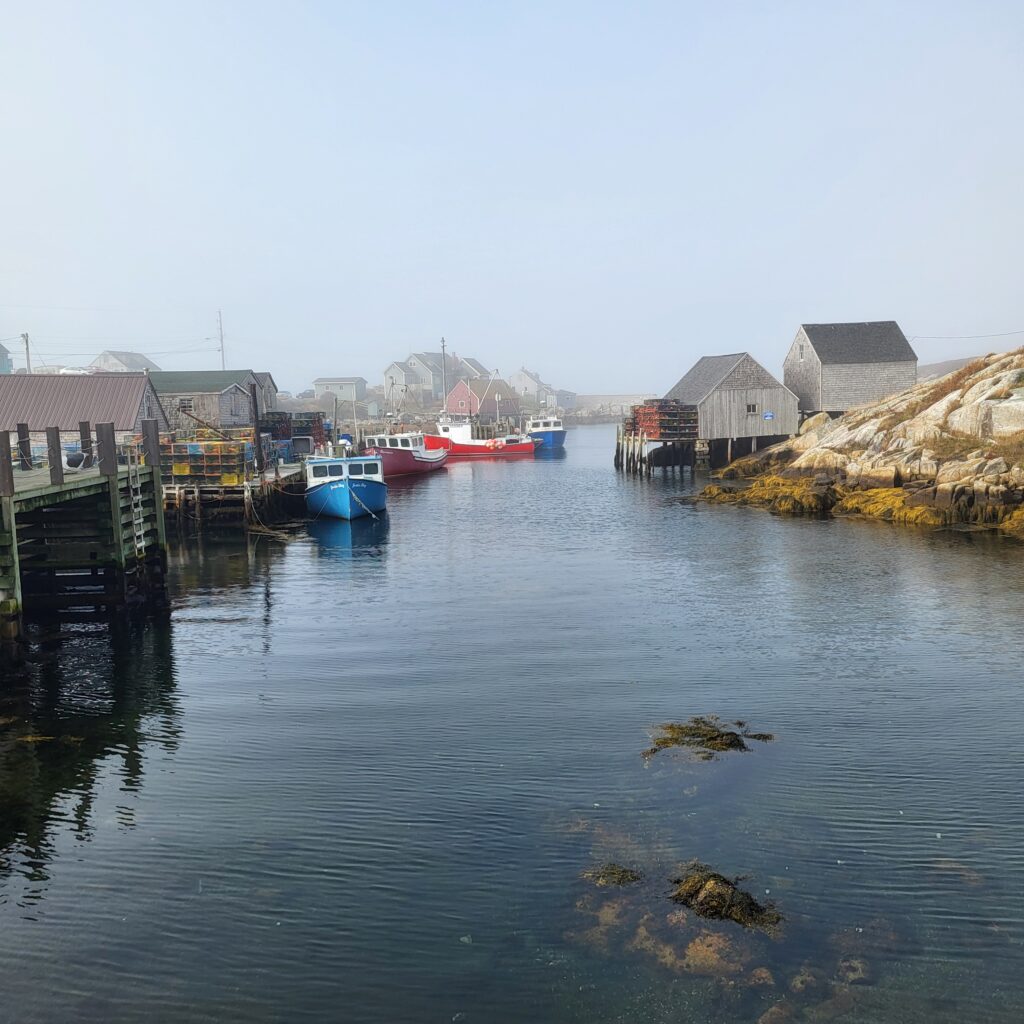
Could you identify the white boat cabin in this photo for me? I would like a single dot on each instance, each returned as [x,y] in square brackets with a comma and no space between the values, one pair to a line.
[323,470]
[394,441]
[542,424]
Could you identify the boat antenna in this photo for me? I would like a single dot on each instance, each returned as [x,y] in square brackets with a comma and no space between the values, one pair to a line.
[444,376]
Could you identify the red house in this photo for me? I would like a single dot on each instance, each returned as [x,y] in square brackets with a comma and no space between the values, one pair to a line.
[488,398]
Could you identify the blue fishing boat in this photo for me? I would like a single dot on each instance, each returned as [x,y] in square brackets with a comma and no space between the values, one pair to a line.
[548,430]
[345,487]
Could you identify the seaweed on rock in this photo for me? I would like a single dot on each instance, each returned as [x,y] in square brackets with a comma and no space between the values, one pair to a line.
[714,896]
[708,735]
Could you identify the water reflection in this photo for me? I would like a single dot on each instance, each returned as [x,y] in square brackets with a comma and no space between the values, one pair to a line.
[359,538]
[88,702]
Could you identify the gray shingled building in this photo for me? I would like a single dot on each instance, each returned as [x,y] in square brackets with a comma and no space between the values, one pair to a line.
[834,367]
[736,397]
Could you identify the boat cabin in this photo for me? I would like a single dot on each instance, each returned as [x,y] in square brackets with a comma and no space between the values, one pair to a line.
[542,424]
[394,441]
[358,467]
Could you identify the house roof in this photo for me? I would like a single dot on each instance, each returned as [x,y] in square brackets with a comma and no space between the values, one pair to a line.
[130,360]
[198,382]
[703,377]
[875,341]
[486,387]
[402,364]
[265,379]
[64,400]
[4,349]
[475,365]
[341,380]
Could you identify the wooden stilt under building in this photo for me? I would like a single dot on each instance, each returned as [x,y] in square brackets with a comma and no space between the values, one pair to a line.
[92,538]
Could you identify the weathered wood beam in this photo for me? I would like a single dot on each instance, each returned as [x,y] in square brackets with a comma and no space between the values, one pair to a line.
[55,455]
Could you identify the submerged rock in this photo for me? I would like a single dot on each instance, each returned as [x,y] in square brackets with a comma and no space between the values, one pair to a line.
[612,874]
[706,734]
[853,970]
[714,896]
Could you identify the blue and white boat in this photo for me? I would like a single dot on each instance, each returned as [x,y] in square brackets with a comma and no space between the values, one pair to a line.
[548,430]
[345,487]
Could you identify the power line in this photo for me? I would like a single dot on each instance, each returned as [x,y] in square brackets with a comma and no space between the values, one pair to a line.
[962,337]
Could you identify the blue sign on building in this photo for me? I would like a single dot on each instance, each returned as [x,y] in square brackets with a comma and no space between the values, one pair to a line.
[769,415]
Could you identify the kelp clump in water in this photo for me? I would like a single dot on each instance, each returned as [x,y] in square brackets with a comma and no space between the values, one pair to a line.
[714,896]
[708,735]
[612,874]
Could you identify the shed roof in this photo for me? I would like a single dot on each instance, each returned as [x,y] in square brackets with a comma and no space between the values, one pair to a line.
[198,382]
[130,360]
[64,400]
[264,379]
[342,380]
[873,341]
[703,377]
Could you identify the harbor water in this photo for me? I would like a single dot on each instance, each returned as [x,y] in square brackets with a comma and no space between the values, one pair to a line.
[359,776]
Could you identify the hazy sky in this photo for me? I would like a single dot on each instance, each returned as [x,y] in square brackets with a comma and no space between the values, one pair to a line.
[600,191]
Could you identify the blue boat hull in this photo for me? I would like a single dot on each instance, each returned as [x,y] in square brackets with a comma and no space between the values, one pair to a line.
[549,438]
[347,499]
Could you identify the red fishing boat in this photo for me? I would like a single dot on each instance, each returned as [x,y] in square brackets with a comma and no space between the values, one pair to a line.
[404,454]
[456,438]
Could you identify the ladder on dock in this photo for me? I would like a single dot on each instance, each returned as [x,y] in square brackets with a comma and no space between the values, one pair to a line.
[138,510]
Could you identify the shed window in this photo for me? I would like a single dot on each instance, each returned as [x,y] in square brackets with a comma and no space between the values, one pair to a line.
[801,353]
[185,405]
[462,404]
[751,409]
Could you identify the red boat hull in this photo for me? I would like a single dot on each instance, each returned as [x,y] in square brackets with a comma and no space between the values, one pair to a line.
[406,461]
[490,449]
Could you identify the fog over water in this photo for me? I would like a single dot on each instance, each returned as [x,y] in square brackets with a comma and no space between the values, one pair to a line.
[599,192]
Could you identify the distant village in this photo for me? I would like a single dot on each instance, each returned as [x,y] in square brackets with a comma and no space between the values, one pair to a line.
[828,367]
[410,389]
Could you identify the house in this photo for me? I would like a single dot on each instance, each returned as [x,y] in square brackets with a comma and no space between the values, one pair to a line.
[267,391]
[833,367]
[212,398]
[400,380]
[6,366]
[346,389]
[488,398]
[528,385]
[122,362]
[65,400]
[422,378]
[736,397]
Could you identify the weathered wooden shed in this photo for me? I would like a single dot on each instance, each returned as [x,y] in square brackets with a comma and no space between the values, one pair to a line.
[834,367]
[219,398]
[736,397]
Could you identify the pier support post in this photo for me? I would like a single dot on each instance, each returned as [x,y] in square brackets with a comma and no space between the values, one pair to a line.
[24,446]
[85,433]
[55,455]
[10,569]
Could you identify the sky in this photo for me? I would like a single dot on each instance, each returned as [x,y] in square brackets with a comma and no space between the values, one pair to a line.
[602,192]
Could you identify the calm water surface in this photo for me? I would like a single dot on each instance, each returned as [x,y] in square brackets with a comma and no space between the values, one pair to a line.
[357,777]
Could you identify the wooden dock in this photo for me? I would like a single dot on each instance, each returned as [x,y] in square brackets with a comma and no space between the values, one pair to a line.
[90,538]
[271,494]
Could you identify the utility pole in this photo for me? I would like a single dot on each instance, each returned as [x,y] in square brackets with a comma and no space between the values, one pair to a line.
[444,376]
[28,355]
[220,332]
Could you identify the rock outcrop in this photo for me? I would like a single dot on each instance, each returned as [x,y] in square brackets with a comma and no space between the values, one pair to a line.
[946,452]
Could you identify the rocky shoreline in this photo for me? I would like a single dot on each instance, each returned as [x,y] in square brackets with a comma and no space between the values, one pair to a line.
[945,453]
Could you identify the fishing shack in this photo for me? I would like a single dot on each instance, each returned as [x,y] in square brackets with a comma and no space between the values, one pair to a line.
[725,406]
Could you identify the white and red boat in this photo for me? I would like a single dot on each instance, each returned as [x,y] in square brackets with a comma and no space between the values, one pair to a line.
[456,438]
[404,454]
